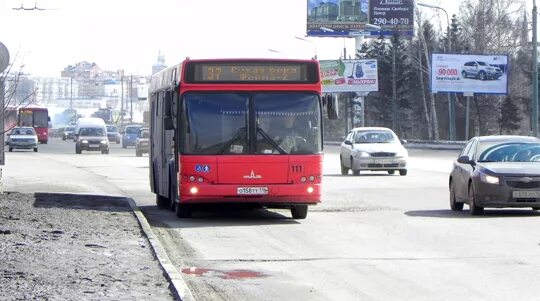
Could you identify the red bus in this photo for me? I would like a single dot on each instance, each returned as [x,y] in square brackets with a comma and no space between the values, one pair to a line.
[243,131]
[37,117]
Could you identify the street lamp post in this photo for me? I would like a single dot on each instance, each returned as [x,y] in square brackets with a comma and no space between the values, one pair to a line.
[451,106]
[312,43]
[535,72]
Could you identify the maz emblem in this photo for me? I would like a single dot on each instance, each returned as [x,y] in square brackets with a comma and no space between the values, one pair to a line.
[253,176]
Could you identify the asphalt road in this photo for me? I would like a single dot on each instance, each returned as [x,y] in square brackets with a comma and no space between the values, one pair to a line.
[374,237]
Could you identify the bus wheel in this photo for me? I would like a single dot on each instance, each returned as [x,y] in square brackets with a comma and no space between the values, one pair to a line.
[162,202]
[182,211]
[35,150]
[299,211]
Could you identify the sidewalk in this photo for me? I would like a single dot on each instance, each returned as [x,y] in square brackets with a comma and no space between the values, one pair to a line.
[76,247]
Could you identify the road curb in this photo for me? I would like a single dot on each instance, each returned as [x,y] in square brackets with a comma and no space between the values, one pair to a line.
[171,273]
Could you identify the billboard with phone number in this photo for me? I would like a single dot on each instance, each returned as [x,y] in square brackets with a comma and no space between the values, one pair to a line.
[485,74]
[349,76]
[336,18]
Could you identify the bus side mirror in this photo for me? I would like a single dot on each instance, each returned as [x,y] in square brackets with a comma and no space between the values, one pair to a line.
[332,107]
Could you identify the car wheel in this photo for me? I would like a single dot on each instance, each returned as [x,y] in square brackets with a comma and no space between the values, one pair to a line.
[463,74]
[138,153]
[162,202]
[344,170]
[123,145]
[355,172]
[473,208]
[535,208]
[454,204]
[299,211]
[35,150]
[77,150]
[482,75]
[10,149]
[402,172]
[63,138]
[391,172]
[182,210]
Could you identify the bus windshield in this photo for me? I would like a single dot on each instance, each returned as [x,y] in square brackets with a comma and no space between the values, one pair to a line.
[251,123]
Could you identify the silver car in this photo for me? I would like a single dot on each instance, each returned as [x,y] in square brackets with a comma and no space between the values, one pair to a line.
[375,149]
[23,138]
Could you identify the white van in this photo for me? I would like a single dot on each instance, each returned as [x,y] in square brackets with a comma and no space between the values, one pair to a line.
[87,121]
[91,135]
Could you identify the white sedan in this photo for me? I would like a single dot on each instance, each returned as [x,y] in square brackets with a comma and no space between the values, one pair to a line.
[23,138]
[375,149]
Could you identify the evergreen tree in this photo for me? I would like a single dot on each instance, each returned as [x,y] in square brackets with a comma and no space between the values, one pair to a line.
[509,117]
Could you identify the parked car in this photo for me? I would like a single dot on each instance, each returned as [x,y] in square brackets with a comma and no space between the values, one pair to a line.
[68,133]
[130,134]
[92,138]
[113,134]
[142,145]
[22,138]
[375,149]
[496,171]
[480,70]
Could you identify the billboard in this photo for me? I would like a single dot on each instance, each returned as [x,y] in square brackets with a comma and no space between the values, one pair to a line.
[349,76]
[340,18]
[485,74]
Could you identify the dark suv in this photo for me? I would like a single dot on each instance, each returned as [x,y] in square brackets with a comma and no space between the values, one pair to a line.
[92,139]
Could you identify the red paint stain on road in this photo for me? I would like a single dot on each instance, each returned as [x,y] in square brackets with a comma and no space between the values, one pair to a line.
[233,274]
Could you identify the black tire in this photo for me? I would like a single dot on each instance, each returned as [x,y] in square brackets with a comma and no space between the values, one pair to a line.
[78,150]
[344,170]
[402,172]
[162,202]
[355,172]
[463,74]
[182,210]
[454,204]
[535,208]
[35,150]
[124,146]
[473,208]
[138,153]
[391,172]
[299,211]
[63,138]
[482,75]
[10,149]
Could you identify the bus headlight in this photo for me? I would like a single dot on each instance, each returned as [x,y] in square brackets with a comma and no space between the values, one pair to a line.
[310,189]
[194,190]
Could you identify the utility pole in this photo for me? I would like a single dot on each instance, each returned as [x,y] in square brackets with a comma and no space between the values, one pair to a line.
[122,100]
[131,97]
[71,92]
[394,92]
[535,72]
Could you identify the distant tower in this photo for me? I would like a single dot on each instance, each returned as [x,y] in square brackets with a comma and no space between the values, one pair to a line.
[160,65]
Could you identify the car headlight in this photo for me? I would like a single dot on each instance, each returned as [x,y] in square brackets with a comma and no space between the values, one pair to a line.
[104,141]
[84,141]
[361,154]
[489,179]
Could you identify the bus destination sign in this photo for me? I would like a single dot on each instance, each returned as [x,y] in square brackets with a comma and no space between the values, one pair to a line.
[250,72]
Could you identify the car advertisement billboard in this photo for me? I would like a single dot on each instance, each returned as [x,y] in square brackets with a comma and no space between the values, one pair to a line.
[485,74]
[338,18]
[349,76]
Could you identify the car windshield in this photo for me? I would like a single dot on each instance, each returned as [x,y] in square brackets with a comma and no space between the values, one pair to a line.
[70,129]
[511,152]
[132,130]
[111,128]
[482,64]
[24,131]
[144,134]
[374,137]
[91,132]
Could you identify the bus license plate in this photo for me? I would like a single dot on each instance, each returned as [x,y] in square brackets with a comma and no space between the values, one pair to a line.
[252,190]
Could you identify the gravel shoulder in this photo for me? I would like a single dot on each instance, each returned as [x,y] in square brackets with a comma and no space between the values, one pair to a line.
[75,247]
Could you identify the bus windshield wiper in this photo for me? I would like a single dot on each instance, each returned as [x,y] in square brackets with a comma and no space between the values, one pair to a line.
[239,133]
[271,141]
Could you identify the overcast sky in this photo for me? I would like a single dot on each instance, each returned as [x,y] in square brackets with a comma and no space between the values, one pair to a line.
[127,34]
